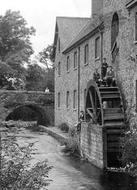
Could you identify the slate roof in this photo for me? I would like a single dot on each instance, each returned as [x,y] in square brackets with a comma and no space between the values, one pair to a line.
[85,33]
[131,3]
[68,28]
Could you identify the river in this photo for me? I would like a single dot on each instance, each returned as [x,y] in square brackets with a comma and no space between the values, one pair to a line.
[69,173]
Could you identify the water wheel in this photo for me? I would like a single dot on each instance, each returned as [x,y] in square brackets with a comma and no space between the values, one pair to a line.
[104,106]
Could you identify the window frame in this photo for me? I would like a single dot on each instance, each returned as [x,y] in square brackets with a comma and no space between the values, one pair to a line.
[75,60]
[59,103]
[135,36]
[67,99]
[59,68]
[97,47]
[68,64]
[59,45]
[86,54]
[74,99]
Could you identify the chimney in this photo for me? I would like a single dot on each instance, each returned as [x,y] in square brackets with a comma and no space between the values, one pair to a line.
[97,7]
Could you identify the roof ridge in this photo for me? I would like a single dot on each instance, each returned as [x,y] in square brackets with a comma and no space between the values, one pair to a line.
[67,17]
[77,34]
[75,40]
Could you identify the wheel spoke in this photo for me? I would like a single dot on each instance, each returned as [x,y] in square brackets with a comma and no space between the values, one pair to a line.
[92,103]
[91,114]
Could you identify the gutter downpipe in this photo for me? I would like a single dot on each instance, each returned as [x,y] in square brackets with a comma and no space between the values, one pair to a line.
[78,83]
[101,34]
[104,129]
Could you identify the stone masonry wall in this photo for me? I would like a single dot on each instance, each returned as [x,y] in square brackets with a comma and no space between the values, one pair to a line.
[10,100]
[92,143]
[68,81]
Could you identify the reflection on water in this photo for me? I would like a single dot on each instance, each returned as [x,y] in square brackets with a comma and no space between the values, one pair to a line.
[70,173]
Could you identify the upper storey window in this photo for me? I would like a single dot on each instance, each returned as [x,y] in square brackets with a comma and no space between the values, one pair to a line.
[114,35]
[97,47]
[75,59]
[68,63]
[136,26]
[86,54]
[59,68]
[59,45]
[114,30]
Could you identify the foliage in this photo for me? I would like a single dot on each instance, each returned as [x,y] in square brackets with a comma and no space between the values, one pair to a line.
[129,151]
[14,100]
[38,78]
[64,127]
[35,77]
[15,47]
[46,56]
[15,37]
[43,100]
[16,170]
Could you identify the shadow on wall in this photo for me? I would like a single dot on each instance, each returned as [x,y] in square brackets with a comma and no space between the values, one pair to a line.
[29,113]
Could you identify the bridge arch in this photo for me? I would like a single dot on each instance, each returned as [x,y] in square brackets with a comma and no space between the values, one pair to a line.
[29,112]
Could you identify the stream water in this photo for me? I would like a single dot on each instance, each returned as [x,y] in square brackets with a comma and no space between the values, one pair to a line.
[70,173]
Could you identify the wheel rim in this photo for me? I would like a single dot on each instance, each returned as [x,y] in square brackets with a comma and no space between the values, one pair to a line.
[93,107]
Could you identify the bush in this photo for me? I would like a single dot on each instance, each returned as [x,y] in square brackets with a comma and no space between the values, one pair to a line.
[45,100]
[64,127]
[16,170]
[129,151]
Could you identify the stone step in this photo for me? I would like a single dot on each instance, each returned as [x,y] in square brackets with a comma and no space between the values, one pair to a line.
[119,116]
[108,89]
[112,110]
[110,96]
[115,131]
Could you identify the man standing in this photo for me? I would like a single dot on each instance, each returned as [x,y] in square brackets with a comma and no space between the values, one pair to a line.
[104,68]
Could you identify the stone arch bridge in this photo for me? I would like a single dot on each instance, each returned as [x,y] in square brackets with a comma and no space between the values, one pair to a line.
[27,106]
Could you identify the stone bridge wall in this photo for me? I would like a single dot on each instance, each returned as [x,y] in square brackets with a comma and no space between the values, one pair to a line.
[11,100]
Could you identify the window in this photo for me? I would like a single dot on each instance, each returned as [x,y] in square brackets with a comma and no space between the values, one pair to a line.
[97,47]
[136,27]
[114,30]
[86,54]
[59,69]
[85,91]
[68,63]
[67,99]
[59,45]
[75,59]
[136,95]
[74,99]
[58,99]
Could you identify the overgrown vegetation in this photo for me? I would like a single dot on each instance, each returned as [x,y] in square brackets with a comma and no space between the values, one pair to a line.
[129,151]
[64,127]
[16,170]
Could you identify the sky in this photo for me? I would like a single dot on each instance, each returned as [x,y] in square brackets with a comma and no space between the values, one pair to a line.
[41,14]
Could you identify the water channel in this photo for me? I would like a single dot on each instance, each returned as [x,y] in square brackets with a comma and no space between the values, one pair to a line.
[70,173]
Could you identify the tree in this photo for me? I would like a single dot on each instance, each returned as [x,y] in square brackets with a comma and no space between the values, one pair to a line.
[36,77]
[46,56]
[15,37]
[15,45]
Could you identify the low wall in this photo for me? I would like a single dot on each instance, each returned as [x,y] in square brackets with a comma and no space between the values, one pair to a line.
[91,143]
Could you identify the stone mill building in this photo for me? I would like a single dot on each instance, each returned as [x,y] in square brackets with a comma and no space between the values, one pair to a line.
[80,45]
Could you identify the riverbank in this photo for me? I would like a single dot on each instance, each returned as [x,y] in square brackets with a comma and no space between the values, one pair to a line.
[55,132]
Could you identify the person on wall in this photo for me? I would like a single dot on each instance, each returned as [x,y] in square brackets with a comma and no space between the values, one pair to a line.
[104,68]
[110,77]
[96,77]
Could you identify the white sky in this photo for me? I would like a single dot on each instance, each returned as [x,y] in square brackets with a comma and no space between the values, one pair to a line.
[41,14]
